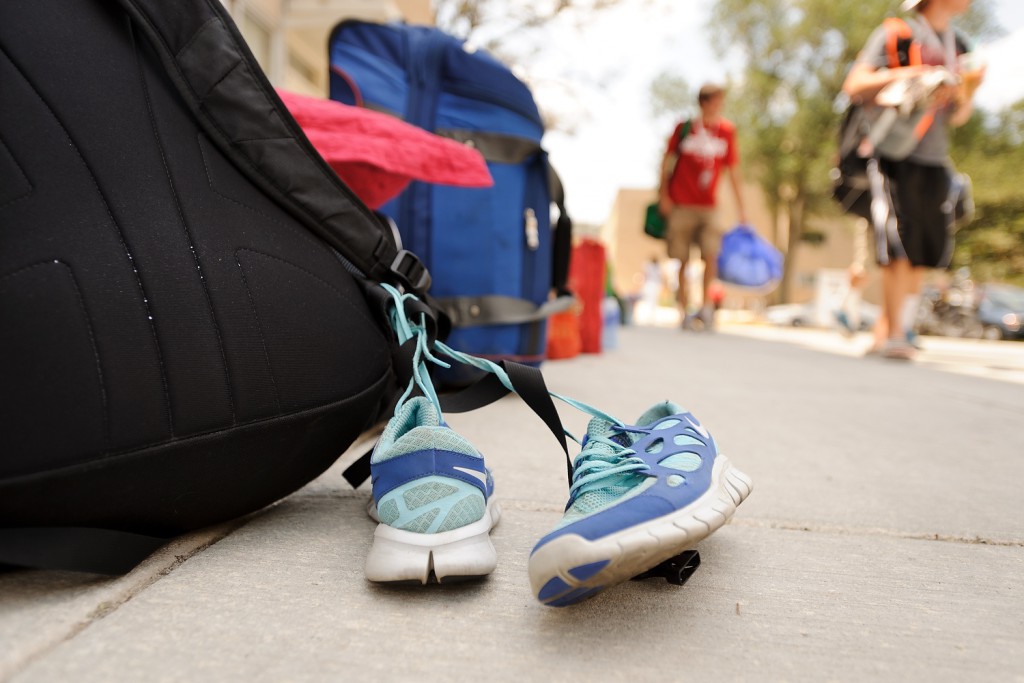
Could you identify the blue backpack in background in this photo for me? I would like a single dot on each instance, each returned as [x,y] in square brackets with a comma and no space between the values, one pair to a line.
[492,253]
[748,260]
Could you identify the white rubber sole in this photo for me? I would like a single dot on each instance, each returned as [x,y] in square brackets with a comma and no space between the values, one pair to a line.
[399,556]
[634,550]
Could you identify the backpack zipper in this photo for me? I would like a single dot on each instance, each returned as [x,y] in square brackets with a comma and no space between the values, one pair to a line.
[422,56]
[530,228]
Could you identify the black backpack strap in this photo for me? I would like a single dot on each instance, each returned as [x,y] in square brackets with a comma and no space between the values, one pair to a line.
[529,385]
[98,551]
[217,76]
[561,247]
[672,155]
[680,133]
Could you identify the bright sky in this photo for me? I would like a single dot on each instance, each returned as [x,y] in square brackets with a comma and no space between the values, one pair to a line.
[618,144]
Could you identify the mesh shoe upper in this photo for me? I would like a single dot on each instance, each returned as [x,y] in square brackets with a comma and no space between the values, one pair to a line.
[426,478]
[626,475]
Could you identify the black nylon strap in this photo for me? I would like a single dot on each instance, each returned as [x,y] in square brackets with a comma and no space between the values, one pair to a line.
[439,325]
[99,551]
[483,392]
[561,247]
[530,386]
[401,360]
[359,471]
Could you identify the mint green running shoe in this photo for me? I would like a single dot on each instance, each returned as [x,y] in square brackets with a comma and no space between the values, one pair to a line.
[434,500]
[433,497]
[640,495]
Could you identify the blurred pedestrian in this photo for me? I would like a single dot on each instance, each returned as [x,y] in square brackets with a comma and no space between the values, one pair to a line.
[696,153]
[849,314]
[654,283]
[914,225]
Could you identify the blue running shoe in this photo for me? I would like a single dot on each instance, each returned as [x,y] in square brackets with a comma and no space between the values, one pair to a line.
[640,495]
[432,494]
[433,497]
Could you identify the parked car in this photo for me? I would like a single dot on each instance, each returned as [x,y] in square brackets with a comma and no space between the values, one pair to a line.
[808,315]
[1001,311]
[795,315]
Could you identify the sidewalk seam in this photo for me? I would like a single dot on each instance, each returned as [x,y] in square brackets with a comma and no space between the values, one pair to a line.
[866,531]
[108,607]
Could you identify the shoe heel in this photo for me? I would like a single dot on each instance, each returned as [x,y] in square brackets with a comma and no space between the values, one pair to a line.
[391,561]
[399,556]
[467,559]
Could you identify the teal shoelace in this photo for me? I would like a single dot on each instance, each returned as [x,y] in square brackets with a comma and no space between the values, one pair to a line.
[601,463]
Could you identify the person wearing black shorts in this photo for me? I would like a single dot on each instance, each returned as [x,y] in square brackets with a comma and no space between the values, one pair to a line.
[914,232]
[924,219]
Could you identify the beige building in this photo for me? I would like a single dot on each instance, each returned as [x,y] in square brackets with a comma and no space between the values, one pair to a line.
[289,37]
[630,248]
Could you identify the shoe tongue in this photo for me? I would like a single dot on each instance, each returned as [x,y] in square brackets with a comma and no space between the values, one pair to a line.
[602,427]
[420,412]
[416,412]
[614,485]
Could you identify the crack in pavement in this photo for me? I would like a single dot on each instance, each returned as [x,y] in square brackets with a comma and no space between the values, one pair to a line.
[874,531]
[151,570]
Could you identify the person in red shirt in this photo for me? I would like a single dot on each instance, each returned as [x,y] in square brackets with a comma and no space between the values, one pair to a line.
[696,154]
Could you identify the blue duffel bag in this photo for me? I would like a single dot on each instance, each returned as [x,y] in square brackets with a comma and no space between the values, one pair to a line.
[748,260]
[493,253]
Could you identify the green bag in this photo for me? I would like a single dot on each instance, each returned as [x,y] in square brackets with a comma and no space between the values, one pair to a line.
[654,222]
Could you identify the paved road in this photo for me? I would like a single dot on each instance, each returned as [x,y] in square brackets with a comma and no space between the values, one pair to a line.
[884,540]
[998,360]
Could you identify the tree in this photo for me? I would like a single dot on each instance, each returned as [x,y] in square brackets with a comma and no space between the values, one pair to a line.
[491,23]
[796,54]
[989,150]
[517,32]
[671,96]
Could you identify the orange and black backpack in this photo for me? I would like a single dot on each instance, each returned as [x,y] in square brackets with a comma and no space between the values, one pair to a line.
[849,177]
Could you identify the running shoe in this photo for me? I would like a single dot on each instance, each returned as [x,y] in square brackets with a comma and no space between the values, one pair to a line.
[433,499]
[432,495]
[898,349]
[640,495]
[706,316]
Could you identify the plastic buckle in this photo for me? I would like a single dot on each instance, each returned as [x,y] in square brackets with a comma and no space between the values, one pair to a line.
[676,570]
[411,270]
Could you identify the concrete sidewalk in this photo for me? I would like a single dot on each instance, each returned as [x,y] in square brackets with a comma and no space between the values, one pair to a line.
[884,540]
